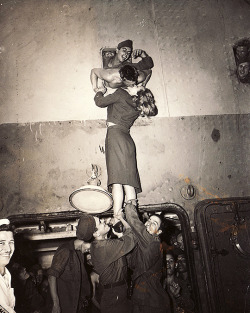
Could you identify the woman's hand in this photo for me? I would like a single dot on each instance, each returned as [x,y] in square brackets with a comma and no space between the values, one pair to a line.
[101,89]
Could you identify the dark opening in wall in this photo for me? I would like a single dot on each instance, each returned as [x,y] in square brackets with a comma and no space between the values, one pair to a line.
[242,59]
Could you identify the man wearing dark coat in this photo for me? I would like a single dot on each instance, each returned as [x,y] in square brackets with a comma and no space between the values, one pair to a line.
[146,263]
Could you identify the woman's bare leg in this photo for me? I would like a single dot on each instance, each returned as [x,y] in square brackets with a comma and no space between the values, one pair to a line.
[118,197]
[129,192]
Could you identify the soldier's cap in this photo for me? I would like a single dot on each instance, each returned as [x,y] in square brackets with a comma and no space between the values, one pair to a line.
[126,43]
[86,227]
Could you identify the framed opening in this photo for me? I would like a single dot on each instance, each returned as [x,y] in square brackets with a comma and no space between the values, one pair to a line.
[241,51]
[39,235]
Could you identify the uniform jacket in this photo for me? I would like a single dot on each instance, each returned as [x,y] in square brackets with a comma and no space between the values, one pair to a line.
[72,279]
[146,263]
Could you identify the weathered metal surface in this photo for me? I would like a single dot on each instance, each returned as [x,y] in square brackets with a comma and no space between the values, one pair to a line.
[49,48]
[43,163]
[226,263]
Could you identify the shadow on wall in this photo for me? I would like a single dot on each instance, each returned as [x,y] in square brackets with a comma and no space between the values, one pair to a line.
[242,59]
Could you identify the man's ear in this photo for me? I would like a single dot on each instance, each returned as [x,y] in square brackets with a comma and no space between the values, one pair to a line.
[116,50]
[159,232]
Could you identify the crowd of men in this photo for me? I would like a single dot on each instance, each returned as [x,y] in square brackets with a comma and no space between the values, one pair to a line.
[110,266]
[103,269]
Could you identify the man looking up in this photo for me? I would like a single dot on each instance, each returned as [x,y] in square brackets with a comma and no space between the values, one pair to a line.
[146,263]
[109,261]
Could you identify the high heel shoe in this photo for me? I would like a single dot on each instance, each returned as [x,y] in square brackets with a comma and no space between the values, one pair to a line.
[118,227]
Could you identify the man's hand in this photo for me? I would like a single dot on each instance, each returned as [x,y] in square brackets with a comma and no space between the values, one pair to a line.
[175,289]
[119,216]
[133,202]
[85,247]
[56,307]
[139,53]
[119,235]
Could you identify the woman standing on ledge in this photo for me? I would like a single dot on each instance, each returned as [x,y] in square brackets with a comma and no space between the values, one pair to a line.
[124,106]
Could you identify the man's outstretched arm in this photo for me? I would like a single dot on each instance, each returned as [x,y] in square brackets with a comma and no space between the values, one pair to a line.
[96,73]
[136,224]
[111,77]
[146,62]
[53,291]
[147,74]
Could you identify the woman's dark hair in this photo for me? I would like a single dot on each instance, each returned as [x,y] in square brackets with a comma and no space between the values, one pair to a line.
[145,103]
[129,72]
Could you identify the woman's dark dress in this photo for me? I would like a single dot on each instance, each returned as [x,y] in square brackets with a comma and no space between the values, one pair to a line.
[120,148]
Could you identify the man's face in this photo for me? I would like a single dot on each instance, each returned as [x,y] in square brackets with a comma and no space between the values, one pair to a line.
[181,263]
[102,227]
[23,275]
[173,240]
[123,54]
[243,69]
[7,247]
[170,264]
[153,224]
[179,240]
[241,52]
[129,83]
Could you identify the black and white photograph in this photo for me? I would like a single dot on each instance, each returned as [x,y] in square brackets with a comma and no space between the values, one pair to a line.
[124,156]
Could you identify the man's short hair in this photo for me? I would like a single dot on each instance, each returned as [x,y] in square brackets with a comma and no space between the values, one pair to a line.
[129,72]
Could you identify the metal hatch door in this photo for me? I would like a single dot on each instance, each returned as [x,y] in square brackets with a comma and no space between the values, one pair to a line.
[223,229]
